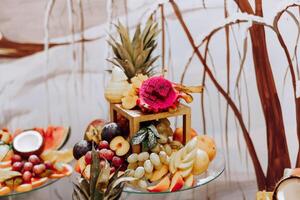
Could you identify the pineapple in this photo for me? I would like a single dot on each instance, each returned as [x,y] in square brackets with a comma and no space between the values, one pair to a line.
[134,56]
[101,185]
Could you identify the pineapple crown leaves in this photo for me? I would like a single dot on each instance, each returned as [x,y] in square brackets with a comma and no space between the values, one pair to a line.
[81,190]
[147,136]
[100,186]
[134,55]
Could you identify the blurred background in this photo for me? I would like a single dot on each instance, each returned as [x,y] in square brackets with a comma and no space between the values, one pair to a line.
[60,77]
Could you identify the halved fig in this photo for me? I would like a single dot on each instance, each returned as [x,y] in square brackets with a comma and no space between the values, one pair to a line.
[28,142]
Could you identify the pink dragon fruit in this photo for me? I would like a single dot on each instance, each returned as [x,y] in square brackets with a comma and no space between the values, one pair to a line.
[158,94]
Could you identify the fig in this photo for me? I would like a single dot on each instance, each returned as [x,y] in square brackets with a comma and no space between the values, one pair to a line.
[28,142]
[81,148]
[93,131]
[110,130]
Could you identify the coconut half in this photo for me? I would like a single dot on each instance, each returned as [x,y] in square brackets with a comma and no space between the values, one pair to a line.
[28,143]
[288,189]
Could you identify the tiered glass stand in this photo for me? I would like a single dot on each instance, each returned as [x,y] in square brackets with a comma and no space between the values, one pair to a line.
[215,169]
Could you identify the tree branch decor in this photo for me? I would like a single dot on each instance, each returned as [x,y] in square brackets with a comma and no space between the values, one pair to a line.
[278,155]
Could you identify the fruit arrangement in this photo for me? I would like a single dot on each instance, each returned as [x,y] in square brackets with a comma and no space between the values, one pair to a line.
[30,158]
[109,145]
[166,161]
[171,170]
[164,164]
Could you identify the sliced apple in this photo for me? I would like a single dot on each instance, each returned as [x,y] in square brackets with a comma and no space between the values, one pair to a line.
[5,136]
[5,164]
[186,172]
[67,171]
[87,172]
[159,173]
[9,155]
[5,190]
[189,181]
[119,145]
[162,186]
[201,162]
[37,182]
[24,187]
[6,175]
[120,173]
[6,169]
[17,181]
[186,165]
[64,156]
[81,165]
[4,149]
[77,167]
[57,175]
[177,182]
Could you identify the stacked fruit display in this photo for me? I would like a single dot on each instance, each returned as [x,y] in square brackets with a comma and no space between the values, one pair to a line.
[164,163]
[106,139]
[28,159]
[133,83]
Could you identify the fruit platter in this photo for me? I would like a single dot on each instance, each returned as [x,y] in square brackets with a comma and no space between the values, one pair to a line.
[165,166]
[32,159]
[139,150]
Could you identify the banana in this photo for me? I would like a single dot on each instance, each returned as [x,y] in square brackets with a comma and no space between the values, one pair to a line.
[186,172]
[191,145]
[177,159]
[172,167]
[185,165]
[190,156]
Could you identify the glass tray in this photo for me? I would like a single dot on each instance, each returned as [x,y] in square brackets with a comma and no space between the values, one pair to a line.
[215,169]
[14,193]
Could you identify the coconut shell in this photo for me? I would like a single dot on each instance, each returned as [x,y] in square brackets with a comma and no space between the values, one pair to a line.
[27,154]
[283,181]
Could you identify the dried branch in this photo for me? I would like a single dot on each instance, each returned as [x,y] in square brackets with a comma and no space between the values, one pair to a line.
[258,169]
[276,138]
[164,68]
[82,44]
[12,49]
[228,83]
[291,68]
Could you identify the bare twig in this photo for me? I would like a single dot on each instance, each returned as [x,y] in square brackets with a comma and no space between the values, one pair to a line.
[164,67]
[258,169]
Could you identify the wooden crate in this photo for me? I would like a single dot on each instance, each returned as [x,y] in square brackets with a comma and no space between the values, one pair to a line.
[135,117]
